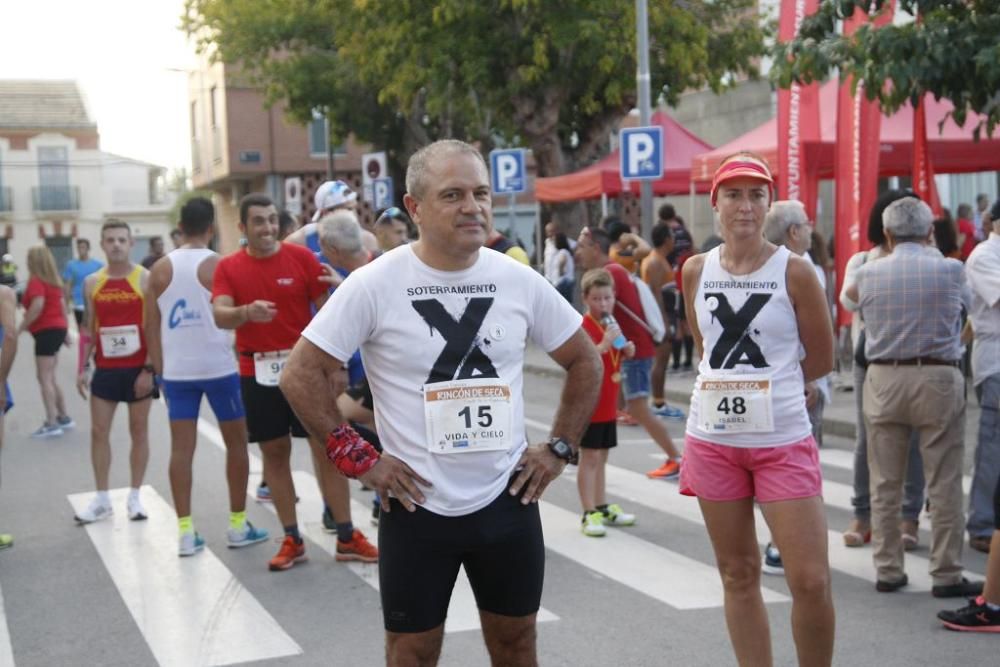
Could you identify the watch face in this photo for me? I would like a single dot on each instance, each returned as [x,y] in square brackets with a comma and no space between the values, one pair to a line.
[561,449]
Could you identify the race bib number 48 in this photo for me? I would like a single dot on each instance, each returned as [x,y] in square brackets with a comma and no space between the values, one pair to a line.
[468,416]
[119,342]
[736,405]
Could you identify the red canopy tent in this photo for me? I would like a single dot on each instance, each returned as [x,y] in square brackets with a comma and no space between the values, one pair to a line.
[604,176]
[952,149]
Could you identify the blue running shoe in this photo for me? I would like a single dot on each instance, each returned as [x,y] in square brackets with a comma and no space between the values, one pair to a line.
[772,561]
[244,538]
[669,412]
[191,543]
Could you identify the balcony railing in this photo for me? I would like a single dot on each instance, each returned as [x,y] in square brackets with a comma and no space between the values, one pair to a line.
[56,197]
[6,201]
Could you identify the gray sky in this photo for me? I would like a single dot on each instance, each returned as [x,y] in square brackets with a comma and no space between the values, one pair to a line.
[121,53]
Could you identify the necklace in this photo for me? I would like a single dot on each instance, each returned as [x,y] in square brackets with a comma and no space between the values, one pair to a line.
[753,265]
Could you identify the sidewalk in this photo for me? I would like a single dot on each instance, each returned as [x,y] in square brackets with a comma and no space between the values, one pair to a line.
[838,416]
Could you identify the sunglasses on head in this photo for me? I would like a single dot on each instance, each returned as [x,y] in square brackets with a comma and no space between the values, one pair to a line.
[392,213]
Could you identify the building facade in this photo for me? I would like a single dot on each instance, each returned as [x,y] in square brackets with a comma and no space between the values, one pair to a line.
[55,182]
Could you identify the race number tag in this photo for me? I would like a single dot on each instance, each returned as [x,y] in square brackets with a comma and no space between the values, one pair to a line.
[121,341]
[267,366]
[736,404]
[468,416]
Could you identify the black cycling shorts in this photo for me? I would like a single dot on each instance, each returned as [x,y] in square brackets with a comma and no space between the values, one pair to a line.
[269,416]
[501,547]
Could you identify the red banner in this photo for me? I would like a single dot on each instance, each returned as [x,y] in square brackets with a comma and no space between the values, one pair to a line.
[798,119]
[856,158]
[923,170]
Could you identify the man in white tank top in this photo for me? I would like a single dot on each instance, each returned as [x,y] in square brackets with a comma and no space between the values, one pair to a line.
[194,358]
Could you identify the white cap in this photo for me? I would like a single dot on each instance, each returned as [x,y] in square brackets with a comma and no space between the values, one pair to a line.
[330,195]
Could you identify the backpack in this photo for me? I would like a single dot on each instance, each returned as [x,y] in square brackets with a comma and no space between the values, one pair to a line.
[651,319]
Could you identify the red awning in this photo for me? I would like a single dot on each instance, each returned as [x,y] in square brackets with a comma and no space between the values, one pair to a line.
[603,177]
[952,149]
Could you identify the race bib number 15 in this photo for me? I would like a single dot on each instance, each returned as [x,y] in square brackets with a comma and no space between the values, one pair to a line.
[468,416]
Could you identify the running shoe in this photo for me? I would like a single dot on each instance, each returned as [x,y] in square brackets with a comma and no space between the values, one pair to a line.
[244,538]
[772,561]
[614,515]
[592,524]
[910,534]
[329,525]
[975,617]
[669,412]
[65,422]
[190,544]
[136,512]
[96,511]
[263,493]
[288,555]
[47,431]
[6,541]
[669,470]
[625,419]
[359,548]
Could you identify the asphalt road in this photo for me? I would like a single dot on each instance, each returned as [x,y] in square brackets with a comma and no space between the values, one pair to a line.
[116,594]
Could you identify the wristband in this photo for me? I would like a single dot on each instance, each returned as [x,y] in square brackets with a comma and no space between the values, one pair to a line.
[350,453]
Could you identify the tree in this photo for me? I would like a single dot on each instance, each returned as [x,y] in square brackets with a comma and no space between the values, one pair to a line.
[554,75]
[952,52]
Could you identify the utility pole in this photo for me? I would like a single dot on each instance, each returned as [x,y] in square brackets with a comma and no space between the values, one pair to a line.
[642,83]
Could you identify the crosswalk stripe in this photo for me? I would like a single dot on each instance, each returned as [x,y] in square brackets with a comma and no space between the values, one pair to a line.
[463,613]
[216,621]
[663,497]
[6,651]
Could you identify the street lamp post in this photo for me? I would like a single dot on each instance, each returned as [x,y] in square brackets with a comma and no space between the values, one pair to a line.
[642,83]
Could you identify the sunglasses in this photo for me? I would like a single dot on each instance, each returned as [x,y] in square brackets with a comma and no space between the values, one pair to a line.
[392,213]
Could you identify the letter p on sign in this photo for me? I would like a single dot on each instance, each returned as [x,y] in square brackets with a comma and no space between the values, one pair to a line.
[641,153]
[507,170]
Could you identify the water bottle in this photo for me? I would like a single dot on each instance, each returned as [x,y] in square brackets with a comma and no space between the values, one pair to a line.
[606,321]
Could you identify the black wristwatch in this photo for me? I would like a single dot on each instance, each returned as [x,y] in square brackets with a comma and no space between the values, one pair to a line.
[562,450]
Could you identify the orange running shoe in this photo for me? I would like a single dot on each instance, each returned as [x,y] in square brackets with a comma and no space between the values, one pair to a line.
[669,470]
[359,548]
[288,555]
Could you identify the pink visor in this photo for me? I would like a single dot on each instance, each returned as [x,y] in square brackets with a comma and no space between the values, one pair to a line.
[742,166]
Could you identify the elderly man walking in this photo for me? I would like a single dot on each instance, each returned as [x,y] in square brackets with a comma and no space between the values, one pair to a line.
[911,304]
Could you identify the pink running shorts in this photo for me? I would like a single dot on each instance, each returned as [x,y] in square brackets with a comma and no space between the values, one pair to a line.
[721,473]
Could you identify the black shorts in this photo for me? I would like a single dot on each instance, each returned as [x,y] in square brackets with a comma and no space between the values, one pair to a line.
[600,435]
[78,314]
[420,553]
[48,341]
[269,416]
[996,506]
[118,385]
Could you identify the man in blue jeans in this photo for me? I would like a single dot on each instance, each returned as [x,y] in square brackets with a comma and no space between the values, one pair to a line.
[983,273]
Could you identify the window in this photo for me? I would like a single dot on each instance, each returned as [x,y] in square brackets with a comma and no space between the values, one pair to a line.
[61,249]
[194,119]
[318,137]
[216,106]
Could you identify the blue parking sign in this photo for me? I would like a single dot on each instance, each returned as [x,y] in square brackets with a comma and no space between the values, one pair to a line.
[641,153]
[382,194]
[507,171]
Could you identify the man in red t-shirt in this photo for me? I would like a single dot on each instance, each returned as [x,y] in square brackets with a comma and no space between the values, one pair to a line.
[592,250]
[966,231]
[266,292]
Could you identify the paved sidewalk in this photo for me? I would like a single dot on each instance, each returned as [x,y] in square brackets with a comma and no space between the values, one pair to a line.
[839,418]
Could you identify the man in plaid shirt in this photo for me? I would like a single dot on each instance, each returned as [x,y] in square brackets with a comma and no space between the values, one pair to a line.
[911,303]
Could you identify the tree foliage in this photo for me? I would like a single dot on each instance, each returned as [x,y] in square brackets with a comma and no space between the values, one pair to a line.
[952,52]
[555,74]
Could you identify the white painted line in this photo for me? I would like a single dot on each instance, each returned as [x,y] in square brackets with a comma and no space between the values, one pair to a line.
[191,611]
[463,614]
[663,497]
[665,576]
[6,651]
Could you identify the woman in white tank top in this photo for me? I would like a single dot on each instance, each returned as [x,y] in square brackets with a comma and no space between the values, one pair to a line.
[762,329]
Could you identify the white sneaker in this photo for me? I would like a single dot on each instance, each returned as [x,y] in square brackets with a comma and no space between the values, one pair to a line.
[614,515]
[190,544]
[593,525]
[48,431]
[96,511]
[243,538]
[136,512]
